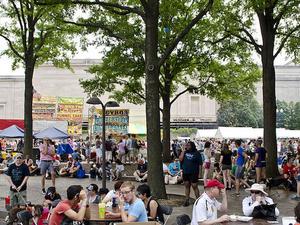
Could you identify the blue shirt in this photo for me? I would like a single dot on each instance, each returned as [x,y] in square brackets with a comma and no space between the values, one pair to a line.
[138,210]
[240,159]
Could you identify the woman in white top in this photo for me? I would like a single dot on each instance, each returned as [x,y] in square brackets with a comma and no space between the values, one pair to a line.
[112,193]
[207,162]
[257,197]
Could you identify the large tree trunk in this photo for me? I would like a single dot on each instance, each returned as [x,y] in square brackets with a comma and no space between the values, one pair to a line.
[166,128]
[28,109]
[269,97]
[166,94]
[154,150]
[29,69]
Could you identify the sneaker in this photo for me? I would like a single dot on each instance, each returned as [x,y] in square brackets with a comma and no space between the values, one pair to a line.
[186,203]
[296,198]
[43,191]
[228,189]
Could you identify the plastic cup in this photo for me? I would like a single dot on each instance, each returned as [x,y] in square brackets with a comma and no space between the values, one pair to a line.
[102,208]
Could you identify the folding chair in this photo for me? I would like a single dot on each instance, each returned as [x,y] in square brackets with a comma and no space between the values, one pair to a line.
[183,219]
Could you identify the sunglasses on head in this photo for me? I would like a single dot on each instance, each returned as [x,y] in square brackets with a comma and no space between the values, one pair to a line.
[255,192]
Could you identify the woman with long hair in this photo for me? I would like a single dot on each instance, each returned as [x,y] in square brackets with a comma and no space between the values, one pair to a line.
[226,165]
[207,162]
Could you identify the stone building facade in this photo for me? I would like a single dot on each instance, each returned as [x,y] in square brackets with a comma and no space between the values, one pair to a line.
[190,110]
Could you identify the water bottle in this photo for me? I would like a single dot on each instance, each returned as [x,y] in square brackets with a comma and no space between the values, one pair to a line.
[114,202]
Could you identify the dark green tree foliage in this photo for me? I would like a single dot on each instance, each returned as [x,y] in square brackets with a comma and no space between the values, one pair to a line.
[33,37]
[203,63]
[279,23]
[288,115]
[242,112]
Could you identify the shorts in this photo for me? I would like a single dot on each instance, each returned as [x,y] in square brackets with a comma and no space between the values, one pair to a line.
[261,164]
[239,172]
[192,178]
[207,165]
[298,177]
[226,167]
[17,198]
[46,165]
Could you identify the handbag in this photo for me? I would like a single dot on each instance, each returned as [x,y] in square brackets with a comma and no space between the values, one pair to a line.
[264,212]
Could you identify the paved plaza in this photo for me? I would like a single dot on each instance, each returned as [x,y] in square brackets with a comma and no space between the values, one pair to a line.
[281,197]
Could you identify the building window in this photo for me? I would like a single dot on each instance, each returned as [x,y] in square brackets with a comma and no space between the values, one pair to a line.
[195,104]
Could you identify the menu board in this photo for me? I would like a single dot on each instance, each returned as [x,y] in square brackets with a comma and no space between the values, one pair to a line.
[44,108]
[116,121]
[60,108]
[70,109]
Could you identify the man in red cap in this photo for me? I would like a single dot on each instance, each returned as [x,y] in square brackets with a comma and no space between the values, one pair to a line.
[205,208]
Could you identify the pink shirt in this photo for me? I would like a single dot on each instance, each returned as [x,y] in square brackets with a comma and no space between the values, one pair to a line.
[48,155]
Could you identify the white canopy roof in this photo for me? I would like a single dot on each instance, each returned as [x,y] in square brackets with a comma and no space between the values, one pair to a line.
[208,133]
[244,133]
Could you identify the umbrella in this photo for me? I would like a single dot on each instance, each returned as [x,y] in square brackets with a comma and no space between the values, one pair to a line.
[52,133]
[12,132]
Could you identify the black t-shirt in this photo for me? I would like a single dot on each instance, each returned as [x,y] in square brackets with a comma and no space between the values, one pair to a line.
[17,174]
[142,167]
[191,162]
[226,157]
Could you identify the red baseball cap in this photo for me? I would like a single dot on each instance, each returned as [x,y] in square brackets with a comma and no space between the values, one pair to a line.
[214,183]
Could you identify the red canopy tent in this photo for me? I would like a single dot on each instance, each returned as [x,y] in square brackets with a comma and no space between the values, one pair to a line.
[7,123]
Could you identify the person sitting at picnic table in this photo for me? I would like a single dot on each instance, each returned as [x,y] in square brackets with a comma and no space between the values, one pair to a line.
[153,208]
[93,197]
[142,171]
[206,206]
[70,209]
[51,197]
[258,197]
[113,193]
[136,209]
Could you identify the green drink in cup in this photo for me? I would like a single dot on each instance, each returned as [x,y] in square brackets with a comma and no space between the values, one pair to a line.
[102,207]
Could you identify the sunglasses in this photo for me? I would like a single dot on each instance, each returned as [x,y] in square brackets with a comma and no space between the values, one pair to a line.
[126,192]
[255,192]
[19,157]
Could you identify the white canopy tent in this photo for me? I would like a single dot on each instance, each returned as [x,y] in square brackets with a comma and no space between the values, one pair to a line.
[207,133]
[235,132]
[244,133]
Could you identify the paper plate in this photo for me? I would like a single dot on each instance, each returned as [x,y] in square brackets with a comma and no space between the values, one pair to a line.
[244,218]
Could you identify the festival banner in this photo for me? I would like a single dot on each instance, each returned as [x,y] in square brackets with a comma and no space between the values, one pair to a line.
[116,121]
[70,109]
[44,108]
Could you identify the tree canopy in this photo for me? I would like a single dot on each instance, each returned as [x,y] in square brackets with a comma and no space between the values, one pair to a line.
[33,36]
[242,112]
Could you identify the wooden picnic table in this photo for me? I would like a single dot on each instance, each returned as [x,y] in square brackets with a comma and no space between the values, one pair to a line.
[94,218]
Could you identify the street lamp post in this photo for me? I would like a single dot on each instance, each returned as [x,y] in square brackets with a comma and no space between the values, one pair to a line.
[96,101]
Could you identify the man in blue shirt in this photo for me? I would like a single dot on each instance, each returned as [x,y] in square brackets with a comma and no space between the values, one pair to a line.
[240,166]
[136,210]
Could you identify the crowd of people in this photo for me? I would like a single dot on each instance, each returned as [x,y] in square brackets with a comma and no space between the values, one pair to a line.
[227,165]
